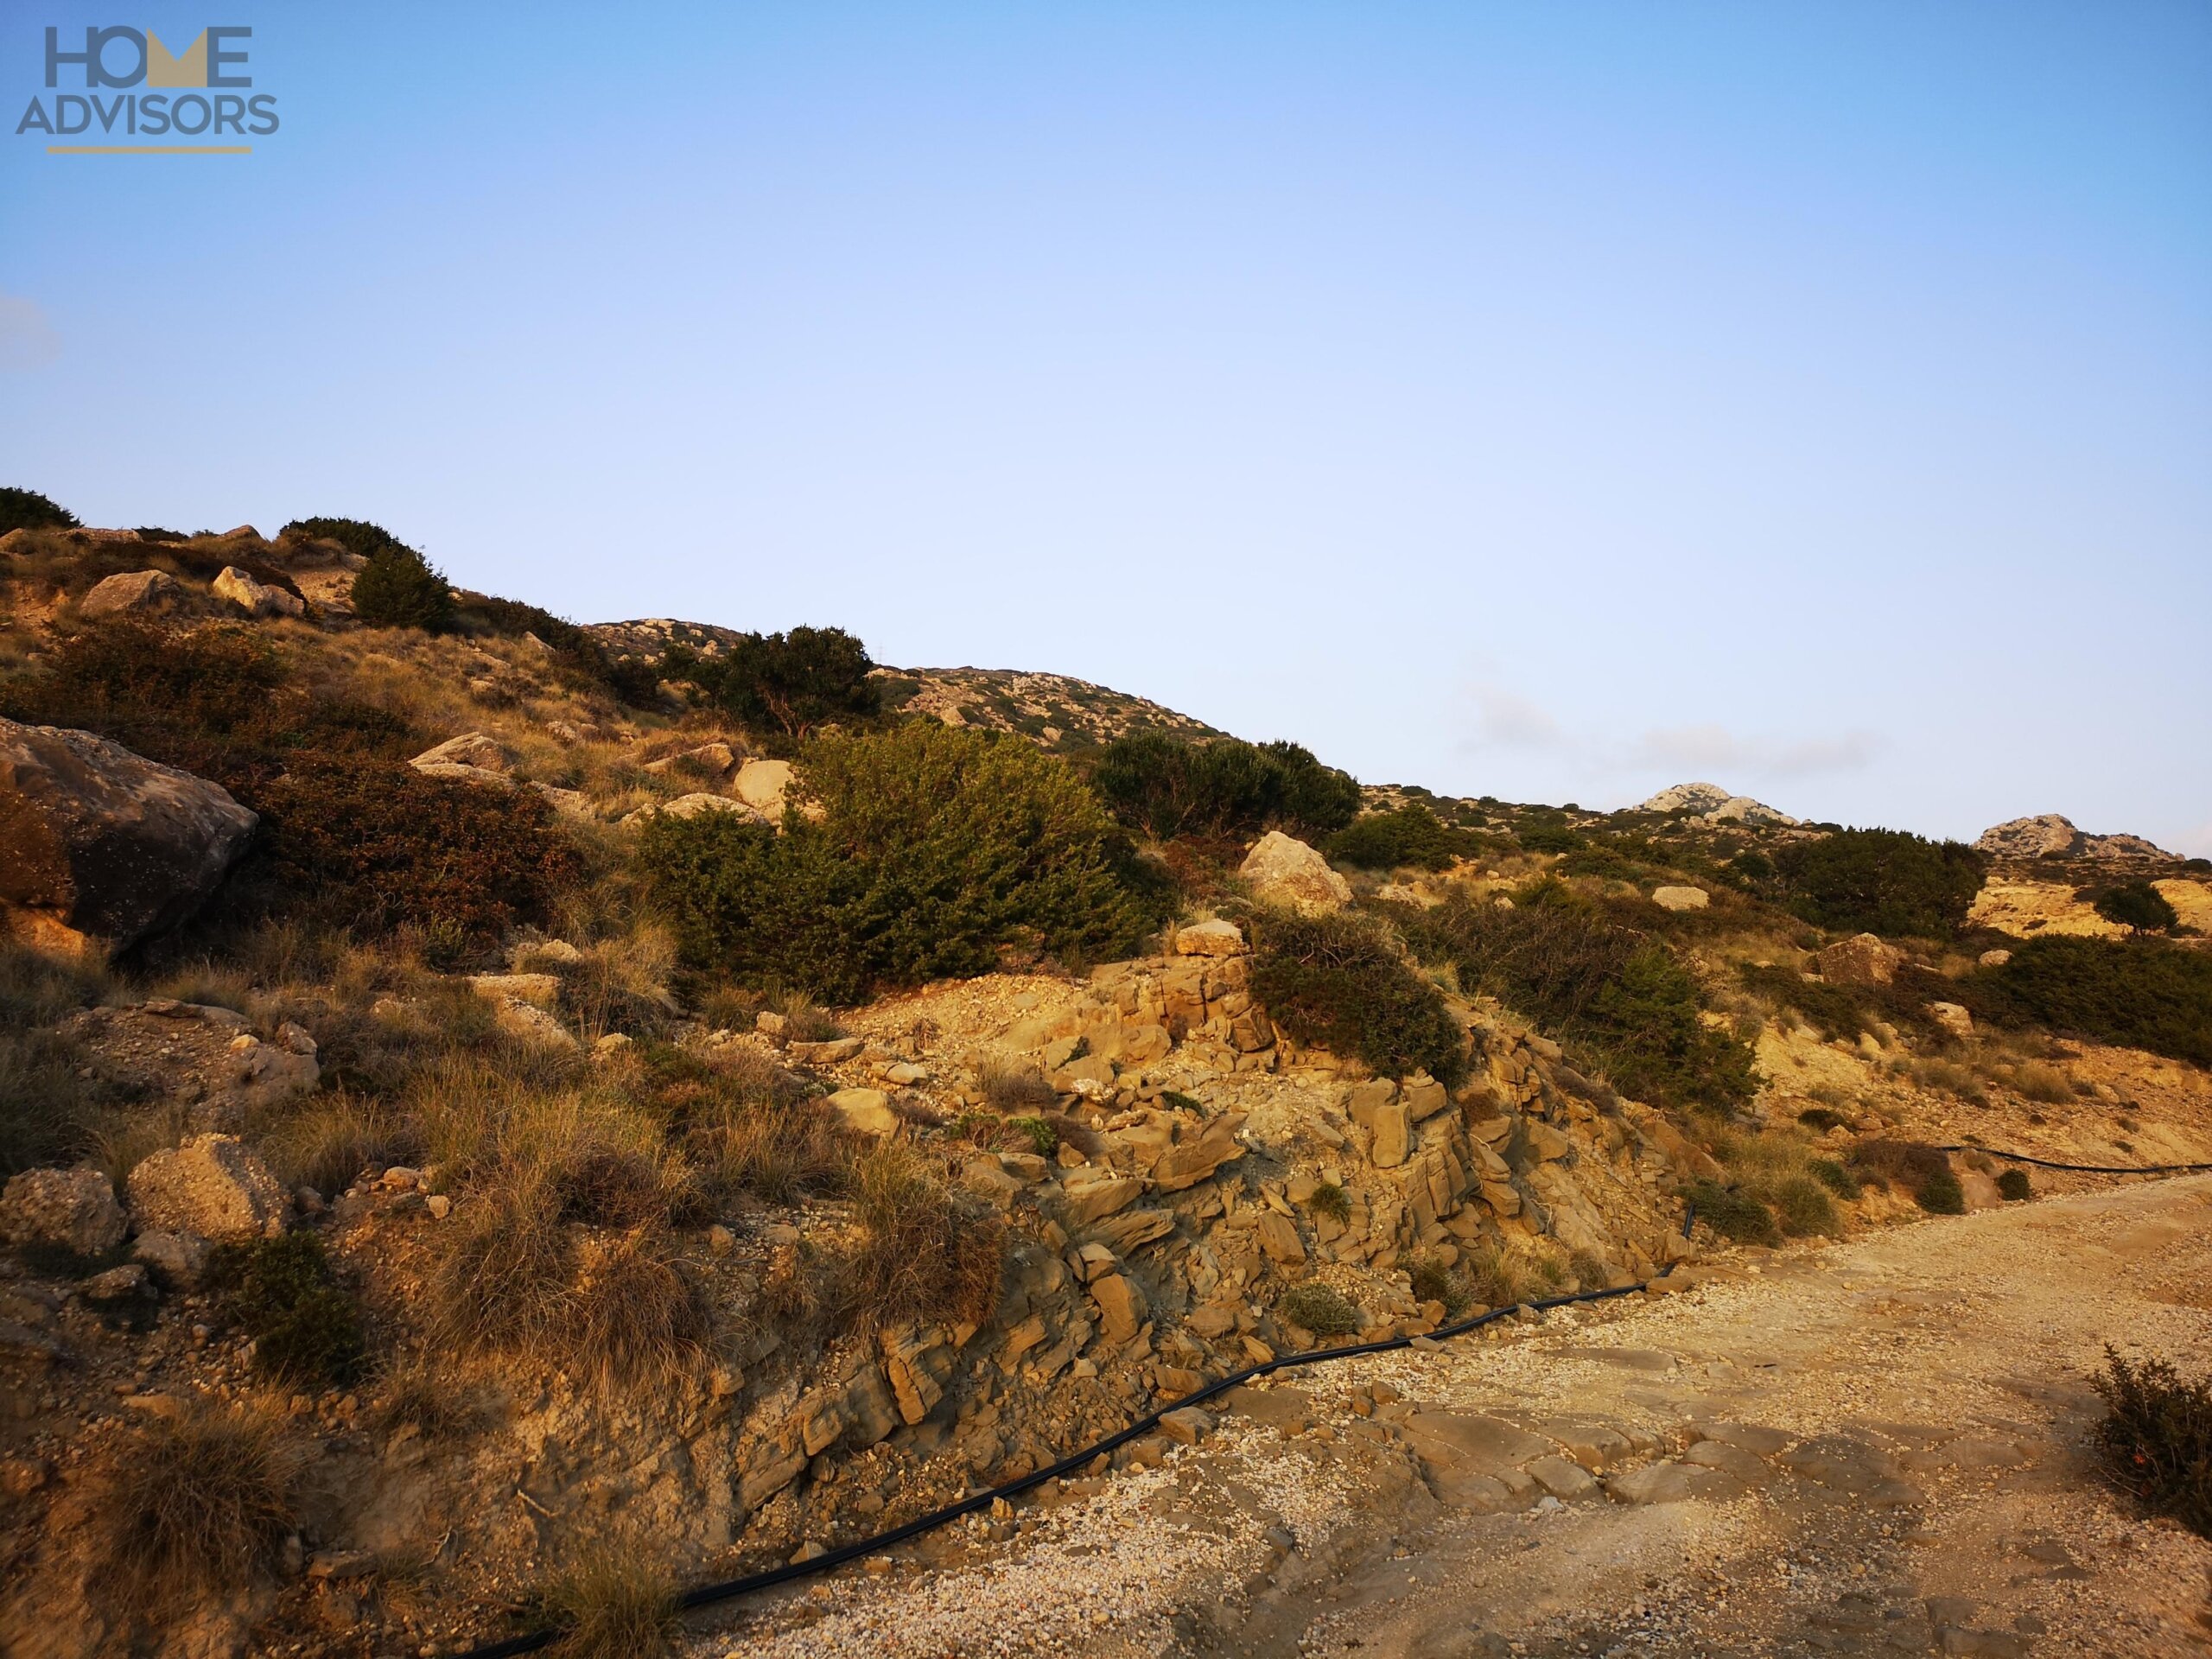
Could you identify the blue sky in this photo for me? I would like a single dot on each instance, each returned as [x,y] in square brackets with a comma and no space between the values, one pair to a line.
[1551,401]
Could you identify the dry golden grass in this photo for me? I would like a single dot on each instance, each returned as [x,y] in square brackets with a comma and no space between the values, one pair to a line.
[614,1603]
[923,1252]
[193,1507]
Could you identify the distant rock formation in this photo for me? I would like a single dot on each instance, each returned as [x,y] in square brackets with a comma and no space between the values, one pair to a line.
[2051,835]
[1711,801]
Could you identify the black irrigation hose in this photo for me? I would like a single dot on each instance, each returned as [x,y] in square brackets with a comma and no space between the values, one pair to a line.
[2084,1169]
[730,1589]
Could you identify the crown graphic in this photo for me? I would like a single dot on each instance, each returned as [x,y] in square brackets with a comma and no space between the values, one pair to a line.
[165,69]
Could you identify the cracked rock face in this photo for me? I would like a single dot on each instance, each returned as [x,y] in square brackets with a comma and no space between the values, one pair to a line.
[101,848]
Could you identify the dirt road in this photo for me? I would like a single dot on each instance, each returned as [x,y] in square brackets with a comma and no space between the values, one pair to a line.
[1872,1447]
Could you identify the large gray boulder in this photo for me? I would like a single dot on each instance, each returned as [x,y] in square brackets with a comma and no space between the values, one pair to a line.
[209,1188]
[73,1208]
[101,848]
[131,592]
[1286,871]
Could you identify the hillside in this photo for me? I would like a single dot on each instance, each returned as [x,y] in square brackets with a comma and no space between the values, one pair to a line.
[502,1134]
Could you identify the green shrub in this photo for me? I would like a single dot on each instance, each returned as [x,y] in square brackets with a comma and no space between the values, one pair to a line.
[1736,1216]
[1318,1308]
[1833,1175]
[1613,995]
[306,1325]
[1043,1137]
[29,510]
[1886,881]
[1342,982]
[2014,1187]
[1921,1170]
[1805,1207]
[786,685]
[1547,838]
[1222,786]
[577,658]
[1331,1200]
[2136,993]
[937,848]
[379,847]
[1411,836]
[2136,906]
[400,588]
[2156,1438]
[356,536]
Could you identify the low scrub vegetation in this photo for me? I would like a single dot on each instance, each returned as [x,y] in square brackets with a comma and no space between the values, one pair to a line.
[614,1603]
[2131,993]
[1322,1309]
[1167,787]
[576,659]
[305,1324]
[937,853]
[1614,996]
[923,1253]
[784,687]
[1885,881]
[2136,906]
[1732,1213]
[1409,836]
[1923,1172]
[1343,982]
[200,1504]
[400,588]
[2156,1437]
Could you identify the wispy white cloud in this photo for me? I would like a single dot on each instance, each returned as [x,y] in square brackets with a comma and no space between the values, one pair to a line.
[1712,747]
[27,338]
[1503,719]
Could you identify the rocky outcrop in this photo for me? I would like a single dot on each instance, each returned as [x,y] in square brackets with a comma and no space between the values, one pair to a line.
[210,1188]
[135,593]
[2053,837]
[1286,871]
[73,1209]
[254,597]
[101,848]
[1864,959]
[208,1061]
[1711,801]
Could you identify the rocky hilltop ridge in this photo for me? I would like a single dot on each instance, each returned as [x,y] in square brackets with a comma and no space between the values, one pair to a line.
[2053,835]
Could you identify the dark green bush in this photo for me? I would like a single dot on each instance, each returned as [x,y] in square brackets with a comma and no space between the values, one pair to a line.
[786,686]
[1835,1176]
[306,1325]
[577,657]
[1342,982]
[1222,786]
[936,850]
[1805,1207]
[1886,881]
[400,588]
[2156,1438]
[1411,836]
[356,536]
[1615,996]
[2137,905]
[1736,1216]
[2013,1187]
[2136,993]
[1319,1308]
[29,510]
[377,846]
[1750,867]
[1547,838]
[1921,1170]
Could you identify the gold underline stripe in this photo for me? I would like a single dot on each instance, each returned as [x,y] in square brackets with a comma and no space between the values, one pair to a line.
[149,149]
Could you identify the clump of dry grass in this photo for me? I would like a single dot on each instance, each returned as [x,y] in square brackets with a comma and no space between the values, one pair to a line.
[335,1138]
[199,1505]
[1015,1087]
[924,1251]
[1499,1276]
[614,1603]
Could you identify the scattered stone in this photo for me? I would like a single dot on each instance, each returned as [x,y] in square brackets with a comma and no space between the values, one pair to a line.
[866,1110]
[1286,871]
[1953,1018]
[1562,1479]
[1210,938]
[1864,959]
[1186,1425]
[101,848]
[131,592]
[179,1258]
[211,1186]
[73,1208]
[835,1051]
[253,597]
[1673,1482]
[471,749]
